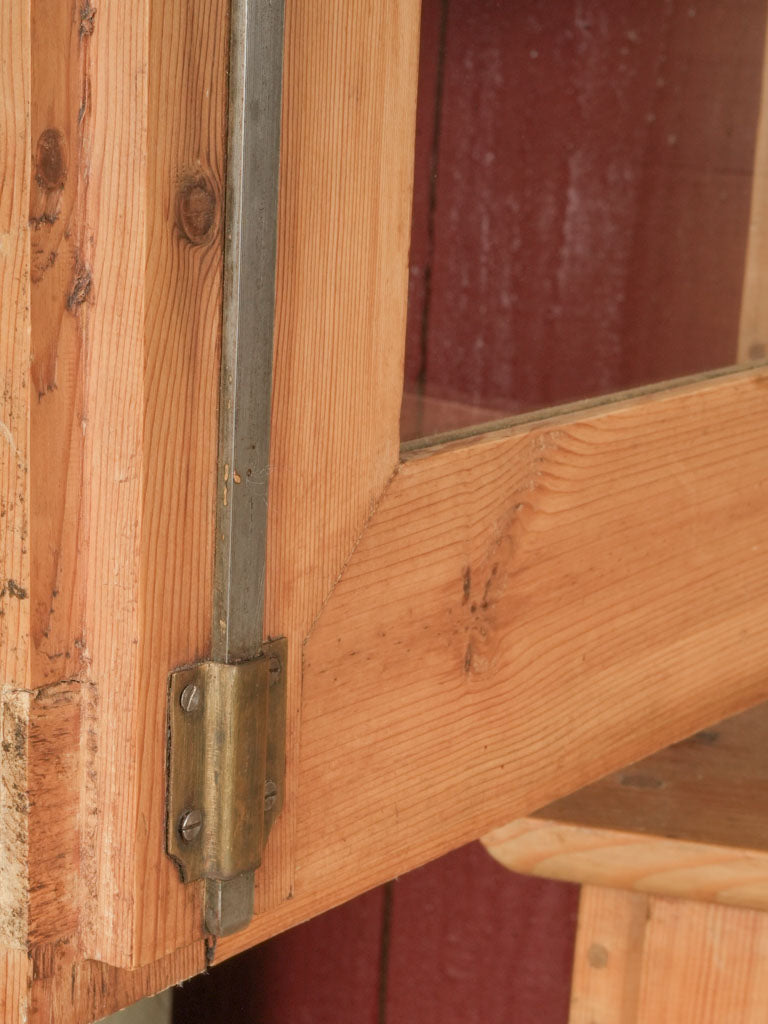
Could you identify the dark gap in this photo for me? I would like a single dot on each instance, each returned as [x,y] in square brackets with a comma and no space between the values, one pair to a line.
[386,935]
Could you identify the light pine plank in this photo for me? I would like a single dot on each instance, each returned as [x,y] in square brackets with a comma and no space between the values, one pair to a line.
[608,958]
[349,106]
[525,612]
[628,860]
[15,89]
[88,215]
[654,961]
[753,323]
[188,51]
[14,986]
[703,964]
[528,612]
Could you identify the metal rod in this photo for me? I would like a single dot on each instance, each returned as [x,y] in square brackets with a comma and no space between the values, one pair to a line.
[253,157]
[253,161]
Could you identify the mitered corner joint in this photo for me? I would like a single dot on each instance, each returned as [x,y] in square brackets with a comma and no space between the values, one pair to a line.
[226,777]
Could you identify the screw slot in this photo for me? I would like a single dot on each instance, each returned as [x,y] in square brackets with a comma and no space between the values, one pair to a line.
[190,824]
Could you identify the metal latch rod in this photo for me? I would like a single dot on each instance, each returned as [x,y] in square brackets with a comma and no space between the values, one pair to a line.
[246,696]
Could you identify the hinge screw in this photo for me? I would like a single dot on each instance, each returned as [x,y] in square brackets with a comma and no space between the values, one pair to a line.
[190,824]
[270,794]
[190,697]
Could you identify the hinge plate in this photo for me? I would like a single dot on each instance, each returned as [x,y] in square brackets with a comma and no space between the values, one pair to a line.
[226,772]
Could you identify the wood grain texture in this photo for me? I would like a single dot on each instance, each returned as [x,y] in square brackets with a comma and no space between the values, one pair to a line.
[655,961]
[188,49]
[529,611]
[349,100]
[14,986]
[88,218]
[526,611]
[68,989]
[627,860]
[710,788]
[607,962]
[15,90]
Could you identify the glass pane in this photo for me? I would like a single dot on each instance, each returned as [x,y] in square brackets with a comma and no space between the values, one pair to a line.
[585,214]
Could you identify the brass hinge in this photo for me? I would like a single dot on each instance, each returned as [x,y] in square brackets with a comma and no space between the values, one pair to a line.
[226,773]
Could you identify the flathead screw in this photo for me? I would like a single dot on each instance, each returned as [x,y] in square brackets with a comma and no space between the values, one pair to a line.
[190,824]
[190,697]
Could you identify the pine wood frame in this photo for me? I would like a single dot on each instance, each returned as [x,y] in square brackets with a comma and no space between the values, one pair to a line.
[476,628]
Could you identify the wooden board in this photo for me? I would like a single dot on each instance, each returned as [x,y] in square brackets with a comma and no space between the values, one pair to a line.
[480,621]
[607,963]
[711,788]
[14,986]
[688,821]
[66,988]
[88,220]
[15,90]
[187,55]
[646,960]
[630,861]
[526,611]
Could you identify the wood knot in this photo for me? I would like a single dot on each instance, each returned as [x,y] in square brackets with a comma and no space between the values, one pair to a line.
[82,282]
[51,160]
[196,207]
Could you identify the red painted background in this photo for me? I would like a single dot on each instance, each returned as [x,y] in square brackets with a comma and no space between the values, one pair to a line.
[581,201]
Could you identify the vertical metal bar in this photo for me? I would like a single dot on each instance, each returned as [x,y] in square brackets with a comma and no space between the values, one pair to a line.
[253,159]
[255,85]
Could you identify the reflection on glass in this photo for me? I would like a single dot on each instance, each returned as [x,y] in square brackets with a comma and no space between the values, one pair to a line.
[585,218]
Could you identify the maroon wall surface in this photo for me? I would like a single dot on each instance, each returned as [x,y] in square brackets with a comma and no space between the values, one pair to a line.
[460,941]
[581,199]
[583,185]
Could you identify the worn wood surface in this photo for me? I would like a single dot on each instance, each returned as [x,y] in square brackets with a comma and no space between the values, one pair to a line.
[88,220]
[68,989]
[14,985]
[643,960]
[15,88]
[628,860]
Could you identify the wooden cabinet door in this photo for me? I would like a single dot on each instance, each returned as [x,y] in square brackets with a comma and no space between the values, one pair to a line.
[476,626]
